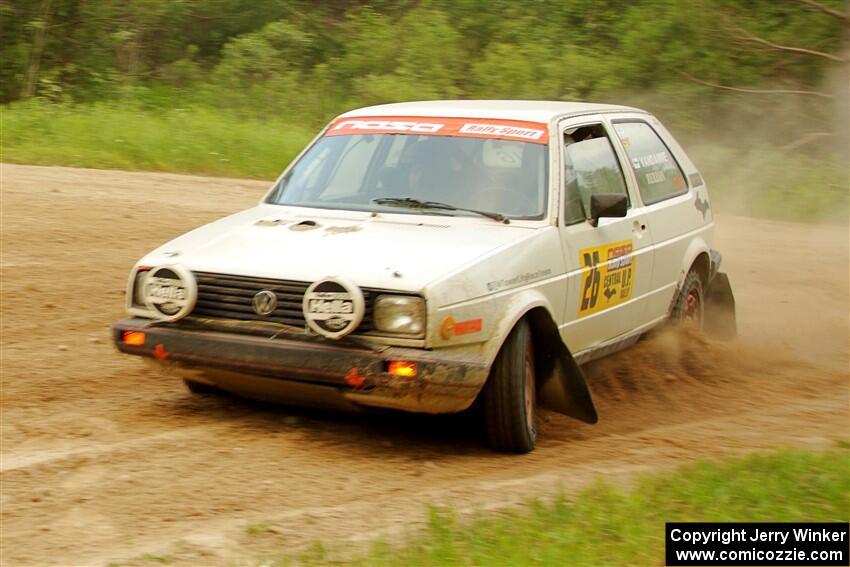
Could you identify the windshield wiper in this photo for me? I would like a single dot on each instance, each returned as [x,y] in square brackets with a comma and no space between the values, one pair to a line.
[411,203]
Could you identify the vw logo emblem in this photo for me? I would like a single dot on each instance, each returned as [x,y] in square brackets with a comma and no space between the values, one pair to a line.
[264,302]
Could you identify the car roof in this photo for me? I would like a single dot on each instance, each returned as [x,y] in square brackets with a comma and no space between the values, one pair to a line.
[528,110]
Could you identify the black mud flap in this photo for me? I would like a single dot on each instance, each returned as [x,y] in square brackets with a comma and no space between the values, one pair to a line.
[562,387]
[719,316]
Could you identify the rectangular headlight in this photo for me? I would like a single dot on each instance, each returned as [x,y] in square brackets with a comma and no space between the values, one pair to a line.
[399,314]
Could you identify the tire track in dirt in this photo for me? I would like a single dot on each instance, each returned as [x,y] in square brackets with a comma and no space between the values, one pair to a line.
[50,455]
[104,460]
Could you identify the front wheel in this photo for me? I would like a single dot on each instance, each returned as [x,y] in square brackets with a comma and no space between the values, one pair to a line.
[510,397]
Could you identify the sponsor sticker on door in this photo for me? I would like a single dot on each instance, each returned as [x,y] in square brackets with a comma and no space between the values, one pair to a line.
[607,276]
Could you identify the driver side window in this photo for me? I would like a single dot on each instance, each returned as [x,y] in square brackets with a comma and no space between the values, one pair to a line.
[590,167]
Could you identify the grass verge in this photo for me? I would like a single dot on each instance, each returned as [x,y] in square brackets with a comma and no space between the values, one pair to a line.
[607,526]
[181,140]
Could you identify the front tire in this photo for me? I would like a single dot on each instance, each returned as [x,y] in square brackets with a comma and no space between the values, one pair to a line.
[510,397]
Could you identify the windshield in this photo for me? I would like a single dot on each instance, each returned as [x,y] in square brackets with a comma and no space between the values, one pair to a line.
[485,173]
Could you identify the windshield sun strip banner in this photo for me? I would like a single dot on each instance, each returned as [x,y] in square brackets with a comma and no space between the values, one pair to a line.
[536,132]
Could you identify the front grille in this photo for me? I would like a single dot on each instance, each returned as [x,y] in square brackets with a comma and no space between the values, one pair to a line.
[222,296]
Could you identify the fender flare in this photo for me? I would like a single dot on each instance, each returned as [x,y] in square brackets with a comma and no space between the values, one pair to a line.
[516,308]
[696,248]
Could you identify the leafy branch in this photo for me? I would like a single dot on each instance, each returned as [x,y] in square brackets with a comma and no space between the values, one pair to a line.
[755,91]
[827,10]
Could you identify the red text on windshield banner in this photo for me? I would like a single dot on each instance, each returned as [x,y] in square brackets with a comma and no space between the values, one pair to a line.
[535,132]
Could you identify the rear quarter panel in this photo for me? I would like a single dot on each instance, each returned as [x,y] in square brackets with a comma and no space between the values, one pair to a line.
[682,227]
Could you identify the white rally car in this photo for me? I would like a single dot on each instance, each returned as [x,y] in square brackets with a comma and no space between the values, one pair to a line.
[422,256]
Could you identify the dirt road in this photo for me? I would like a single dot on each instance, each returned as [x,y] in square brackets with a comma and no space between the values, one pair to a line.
[104,461]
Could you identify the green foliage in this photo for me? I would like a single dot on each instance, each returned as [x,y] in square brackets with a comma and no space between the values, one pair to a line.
[253,66]
[606,526]
[552,50]
[387,51]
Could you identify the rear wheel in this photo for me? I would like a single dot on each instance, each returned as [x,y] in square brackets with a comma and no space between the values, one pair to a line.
[690,304]
[510,395]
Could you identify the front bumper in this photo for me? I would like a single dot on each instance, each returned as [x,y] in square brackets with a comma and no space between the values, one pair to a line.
[309,371]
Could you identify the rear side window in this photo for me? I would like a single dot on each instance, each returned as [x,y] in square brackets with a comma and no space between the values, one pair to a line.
[658,175]
[590,166]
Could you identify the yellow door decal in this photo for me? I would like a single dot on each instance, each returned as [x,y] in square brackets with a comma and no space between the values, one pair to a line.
[607,276]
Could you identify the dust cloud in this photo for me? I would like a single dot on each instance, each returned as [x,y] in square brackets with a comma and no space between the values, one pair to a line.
[769,155]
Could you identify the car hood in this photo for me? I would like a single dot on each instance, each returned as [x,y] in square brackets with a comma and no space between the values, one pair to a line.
[403,252]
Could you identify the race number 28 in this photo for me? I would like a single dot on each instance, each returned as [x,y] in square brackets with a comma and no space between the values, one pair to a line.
[607,276]
[590,290]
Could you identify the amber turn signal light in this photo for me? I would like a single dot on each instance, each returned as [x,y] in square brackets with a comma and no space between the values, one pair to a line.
[402,368]
[134,338]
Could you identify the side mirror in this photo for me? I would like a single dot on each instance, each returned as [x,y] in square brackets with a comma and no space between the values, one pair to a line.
[607,205]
